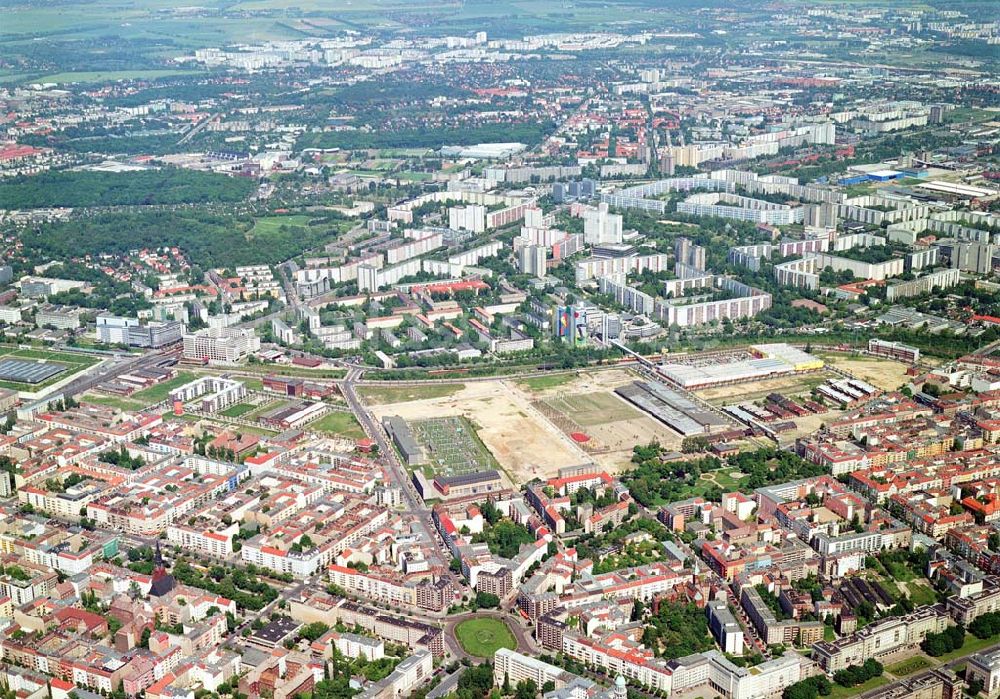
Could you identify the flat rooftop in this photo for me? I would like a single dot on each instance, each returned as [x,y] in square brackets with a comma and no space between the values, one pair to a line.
[28,371]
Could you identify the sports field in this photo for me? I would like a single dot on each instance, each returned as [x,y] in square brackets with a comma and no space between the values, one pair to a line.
[584,406]
[485,636]
[593,408]
[237,410]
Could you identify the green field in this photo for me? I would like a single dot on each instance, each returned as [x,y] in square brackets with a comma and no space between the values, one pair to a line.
[971,645]
[282,370]
[109,76]
[849,692]
[154,394]
[237,410]
[73,363]
[271,224]
[596,408]
[339,424]
[921,594]
[909,666]
[113,402]
[541,383]
[381,395]
[483,637]
[253,384]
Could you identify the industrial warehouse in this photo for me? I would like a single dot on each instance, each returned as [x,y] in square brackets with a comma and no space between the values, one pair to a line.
[757,362]
[674,409]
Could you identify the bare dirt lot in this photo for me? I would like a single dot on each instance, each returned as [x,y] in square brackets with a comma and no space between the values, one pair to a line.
[526,424]
[881,373]
[791,386]
[524,443]
[587,403]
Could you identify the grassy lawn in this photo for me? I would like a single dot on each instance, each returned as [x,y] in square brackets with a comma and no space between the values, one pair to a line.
[338,423]
[909,666]
[254,384]
[848,692]
[110,75]
[154,394]
[237,410]
[270,224]
[483,637]
[283,370]
[540,383]
[971,645]
[921,594]
[403,394]
[113,402]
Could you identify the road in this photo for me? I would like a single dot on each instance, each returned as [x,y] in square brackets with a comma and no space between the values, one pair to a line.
[194,131]
[448,685]
[116,368]
[525,643]
[415,507]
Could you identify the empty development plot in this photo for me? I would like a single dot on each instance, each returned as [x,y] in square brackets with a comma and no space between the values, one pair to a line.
[338,424]
[161,391]
[790,386]
[523,442]
[382,395]
[881,373]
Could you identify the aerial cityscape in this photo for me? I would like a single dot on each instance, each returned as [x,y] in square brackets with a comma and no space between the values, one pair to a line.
[510,349]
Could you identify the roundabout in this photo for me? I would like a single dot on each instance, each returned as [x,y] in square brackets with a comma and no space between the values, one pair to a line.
[482,636]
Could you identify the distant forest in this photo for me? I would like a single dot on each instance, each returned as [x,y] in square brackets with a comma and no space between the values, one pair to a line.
[82,188]
[213,240]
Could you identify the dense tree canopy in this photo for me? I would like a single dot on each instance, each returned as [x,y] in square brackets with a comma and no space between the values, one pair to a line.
[161,186]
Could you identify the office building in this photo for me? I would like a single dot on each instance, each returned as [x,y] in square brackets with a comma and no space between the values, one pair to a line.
[115,330]
[220,344]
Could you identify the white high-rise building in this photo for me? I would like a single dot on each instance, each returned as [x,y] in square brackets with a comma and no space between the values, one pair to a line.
[467,218]
[531,260]
[534,217]
[601,227]
[973,257]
